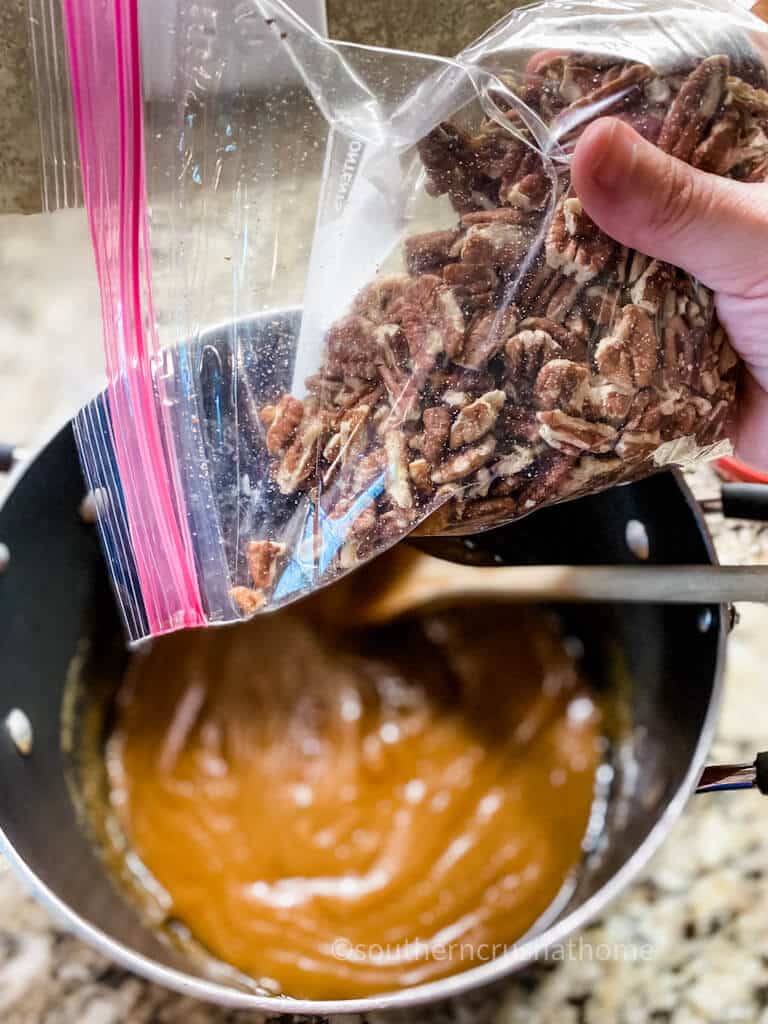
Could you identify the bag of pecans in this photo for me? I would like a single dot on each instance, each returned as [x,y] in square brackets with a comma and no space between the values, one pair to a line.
[469,346]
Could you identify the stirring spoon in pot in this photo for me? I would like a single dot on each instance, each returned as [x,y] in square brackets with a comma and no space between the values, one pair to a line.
[415,581]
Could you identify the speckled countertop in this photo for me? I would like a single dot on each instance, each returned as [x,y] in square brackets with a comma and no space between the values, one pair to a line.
[702,906]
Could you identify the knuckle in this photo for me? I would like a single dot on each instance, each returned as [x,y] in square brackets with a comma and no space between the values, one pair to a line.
[684,198]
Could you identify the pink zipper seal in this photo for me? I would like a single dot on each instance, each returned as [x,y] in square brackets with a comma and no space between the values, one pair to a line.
[105,70]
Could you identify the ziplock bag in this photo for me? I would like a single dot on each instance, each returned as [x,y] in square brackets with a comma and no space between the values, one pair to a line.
[360,297]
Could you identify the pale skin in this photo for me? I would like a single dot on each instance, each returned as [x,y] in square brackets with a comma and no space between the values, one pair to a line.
[714,228]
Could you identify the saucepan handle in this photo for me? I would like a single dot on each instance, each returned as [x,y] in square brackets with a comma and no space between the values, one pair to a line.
[740,501]
[718,778]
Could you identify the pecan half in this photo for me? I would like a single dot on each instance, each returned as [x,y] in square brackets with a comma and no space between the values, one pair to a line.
[428,253]
[630,356]
[575,245]
[526,353]
[694,107]
[432,321]
[573,435]
[475,420]
[562,384]
[462,465]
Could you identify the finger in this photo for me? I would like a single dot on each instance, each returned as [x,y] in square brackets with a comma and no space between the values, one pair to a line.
[750,435]
[715,228]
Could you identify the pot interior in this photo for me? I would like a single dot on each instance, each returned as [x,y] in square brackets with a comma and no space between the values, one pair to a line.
[63,654]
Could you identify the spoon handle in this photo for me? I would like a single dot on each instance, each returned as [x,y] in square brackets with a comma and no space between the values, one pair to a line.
[431,582]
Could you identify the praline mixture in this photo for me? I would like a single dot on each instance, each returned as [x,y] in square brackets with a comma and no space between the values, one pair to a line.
[338,814]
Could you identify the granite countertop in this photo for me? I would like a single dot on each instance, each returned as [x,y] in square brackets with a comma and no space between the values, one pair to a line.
[702,905]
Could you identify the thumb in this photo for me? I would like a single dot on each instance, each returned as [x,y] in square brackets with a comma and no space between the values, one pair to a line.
[714,228]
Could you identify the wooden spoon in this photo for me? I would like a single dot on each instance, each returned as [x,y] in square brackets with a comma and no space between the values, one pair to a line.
[408,581]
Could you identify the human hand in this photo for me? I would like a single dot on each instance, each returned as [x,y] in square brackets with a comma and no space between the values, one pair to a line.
[714,228]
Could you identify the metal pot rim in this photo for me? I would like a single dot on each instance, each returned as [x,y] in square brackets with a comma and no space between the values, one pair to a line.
[483,975]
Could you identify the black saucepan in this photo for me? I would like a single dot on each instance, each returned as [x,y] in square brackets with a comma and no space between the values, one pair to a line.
[58,618]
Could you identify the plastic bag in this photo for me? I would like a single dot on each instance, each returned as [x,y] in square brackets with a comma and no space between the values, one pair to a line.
[453,345]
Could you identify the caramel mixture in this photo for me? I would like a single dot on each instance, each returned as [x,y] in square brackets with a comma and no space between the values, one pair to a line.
[340,815]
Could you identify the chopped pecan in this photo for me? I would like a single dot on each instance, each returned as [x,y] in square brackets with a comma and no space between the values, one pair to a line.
[498,244]
[682,411]
[579,327]
[420,473]
[573,435]
[575,245]
[718,152]
[530,193]
[351,439]
[462,465]
[652,287]
[638,444]
[546,482]
[283,422]
[645,411]
[713,427]
[368,468]
[263,557]
[600,302]
[473,278]
[514,462]
[398,484]
[727,358]
[609,402]
[559,301]
[614,92]
[299,462]
[572,346]
[630,356]
[500,215]
[746,96]
[694,107]
[437,428]
[351,348]
[479,485]
[448,159]
[378,302]
[477,419]
[498,153]
[247,600]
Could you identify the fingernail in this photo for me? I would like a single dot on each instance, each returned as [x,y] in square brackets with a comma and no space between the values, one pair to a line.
[613,164]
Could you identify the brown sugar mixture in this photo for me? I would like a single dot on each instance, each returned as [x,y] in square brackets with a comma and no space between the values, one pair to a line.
[339,815]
